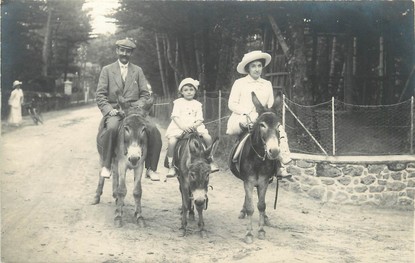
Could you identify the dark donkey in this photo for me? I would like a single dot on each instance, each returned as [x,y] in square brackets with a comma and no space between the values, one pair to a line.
[130,154]
[258,164]
[191,159]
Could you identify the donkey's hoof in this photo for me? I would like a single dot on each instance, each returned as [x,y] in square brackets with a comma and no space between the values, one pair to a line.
[140,222]
[203,234]
[242,215]
[192,217]
[266,221]
[249,239]
[261,234]
[182,232]
[96,200]
[118,222]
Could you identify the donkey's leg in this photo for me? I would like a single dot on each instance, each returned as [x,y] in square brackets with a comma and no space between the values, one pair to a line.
[191,211]
[121,193]
[242,214]
[138,172]
[98,192]
[201,222]
[262,190]
[115,179]
[185,207]
[249,209]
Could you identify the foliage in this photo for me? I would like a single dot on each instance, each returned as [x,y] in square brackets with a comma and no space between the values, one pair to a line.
[203,40]
[24,25]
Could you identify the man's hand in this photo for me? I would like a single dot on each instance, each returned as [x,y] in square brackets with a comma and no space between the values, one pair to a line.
[113,112]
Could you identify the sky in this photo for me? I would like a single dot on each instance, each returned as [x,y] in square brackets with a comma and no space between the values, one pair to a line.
[99,8]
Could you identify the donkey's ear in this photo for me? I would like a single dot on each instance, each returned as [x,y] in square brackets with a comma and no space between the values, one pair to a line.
[209,152]
[258,106]
[276,106]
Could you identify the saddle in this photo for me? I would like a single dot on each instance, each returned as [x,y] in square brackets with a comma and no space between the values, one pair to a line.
[180,143]
[235,155]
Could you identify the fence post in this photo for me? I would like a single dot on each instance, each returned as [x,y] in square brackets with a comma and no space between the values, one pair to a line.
[204,103]
[411,137]
[283,110]
[220,113]
[333,128]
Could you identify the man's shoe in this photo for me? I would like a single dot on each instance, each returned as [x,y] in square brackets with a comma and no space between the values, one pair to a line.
[171,172]
[152,175]
[214,167]
[105,172]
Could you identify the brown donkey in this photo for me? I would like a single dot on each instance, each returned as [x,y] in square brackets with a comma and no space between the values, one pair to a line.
[258,164]
[130,154]
[192,162]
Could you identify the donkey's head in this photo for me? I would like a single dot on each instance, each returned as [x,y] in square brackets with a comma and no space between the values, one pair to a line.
[265,130]
[198,167]
[133,139]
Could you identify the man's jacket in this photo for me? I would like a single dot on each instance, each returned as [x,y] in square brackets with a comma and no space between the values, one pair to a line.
[134,90]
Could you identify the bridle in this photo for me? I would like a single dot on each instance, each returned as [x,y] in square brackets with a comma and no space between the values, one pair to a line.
[264,146]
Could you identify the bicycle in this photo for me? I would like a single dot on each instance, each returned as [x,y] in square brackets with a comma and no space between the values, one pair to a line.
[34,112]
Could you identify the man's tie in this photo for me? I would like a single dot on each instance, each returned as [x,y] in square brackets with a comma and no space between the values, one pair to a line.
[124,70]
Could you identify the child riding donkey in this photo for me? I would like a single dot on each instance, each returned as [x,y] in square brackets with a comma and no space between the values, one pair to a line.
[187,116]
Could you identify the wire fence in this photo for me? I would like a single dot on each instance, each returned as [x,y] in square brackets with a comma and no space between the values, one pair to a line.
[331,128]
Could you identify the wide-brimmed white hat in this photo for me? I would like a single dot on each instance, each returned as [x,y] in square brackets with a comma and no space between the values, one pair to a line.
[193,82]
[16,83]
[252,56]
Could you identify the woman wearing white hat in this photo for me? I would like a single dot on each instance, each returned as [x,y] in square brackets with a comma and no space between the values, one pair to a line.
[240,99]
[15,102]
[186,115]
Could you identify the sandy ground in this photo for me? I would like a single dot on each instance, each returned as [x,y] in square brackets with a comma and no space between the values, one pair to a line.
[48,179]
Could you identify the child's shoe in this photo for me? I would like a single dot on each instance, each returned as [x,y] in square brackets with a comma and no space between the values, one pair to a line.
[171,172]
[213,167]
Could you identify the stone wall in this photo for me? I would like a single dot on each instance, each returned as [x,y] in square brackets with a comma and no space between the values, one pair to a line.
[389,185]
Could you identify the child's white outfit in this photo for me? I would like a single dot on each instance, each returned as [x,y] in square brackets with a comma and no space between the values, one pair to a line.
[189,111]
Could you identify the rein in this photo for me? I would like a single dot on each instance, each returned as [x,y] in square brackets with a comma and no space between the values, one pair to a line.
[253,148]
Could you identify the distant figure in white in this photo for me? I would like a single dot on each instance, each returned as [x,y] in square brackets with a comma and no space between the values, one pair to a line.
[15,103]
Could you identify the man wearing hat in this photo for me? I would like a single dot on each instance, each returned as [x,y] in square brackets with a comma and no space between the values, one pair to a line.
[129,79]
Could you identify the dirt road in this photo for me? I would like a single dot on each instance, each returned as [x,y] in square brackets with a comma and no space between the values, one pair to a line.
[48,179]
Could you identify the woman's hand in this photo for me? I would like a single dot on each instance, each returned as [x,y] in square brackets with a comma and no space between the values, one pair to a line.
[113,112]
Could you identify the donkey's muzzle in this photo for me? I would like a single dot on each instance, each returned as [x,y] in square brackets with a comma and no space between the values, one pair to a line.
[134,154]
[134,159]
[200,198]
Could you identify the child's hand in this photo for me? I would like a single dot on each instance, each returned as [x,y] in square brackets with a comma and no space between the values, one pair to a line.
[188,128]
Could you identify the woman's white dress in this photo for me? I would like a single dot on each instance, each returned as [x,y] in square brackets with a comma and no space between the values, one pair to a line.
[240,101]
[15,102]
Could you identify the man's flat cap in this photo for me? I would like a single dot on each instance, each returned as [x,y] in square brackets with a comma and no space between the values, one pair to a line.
[125,43]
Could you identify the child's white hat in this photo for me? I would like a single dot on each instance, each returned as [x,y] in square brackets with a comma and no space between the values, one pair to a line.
[252,56]
[193,82]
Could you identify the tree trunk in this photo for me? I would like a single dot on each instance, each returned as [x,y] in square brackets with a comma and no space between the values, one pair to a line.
[298,66]
[173,64]
[280,37]
[163,79]
[176,75]
[46,44]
